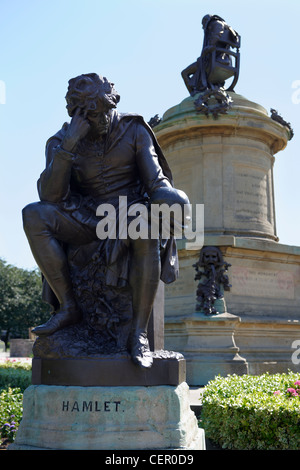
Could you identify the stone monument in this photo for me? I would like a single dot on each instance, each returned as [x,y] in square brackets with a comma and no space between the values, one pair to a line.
[101,378]
[221,148]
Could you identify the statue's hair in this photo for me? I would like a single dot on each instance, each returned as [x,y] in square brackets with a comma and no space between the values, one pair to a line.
[85,90]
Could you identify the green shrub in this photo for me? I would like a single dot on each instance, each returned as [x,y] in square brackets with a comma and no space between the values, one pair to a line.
[15,364]
[15,375]
[11,409]
[253,412]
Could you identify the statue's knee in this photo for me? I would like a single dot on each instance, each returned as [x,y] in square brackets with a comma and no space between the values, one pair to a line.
[31,216]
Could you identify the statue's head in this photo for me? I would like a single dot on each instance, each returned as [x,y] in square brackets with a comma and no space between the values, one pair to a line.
[211,255]
[205,20]
[92,93]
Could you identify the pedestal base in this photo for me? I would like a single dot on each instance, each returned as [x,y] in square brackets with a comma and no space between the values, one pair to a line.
[108,418]
[169,368]
[210,347]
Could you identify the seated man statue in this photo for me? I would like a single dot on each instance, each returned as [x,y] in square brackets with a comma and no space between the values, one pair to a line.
[217,35]
[96,158]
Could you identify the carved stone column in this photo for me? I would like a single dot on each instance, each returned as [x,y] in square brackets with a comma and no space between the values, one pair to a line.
[225,164]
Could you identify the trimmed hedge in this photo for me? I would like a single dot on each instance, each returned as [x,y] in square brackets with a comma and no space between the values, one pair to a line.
[253,412]
[15,375]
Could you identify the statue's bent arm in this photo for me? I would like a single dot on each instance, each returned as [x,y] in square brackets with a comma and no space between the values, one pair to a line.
[54,182]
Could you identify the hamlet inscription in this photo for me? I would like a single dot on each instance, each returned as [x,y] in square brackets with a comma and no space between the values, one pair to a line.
[262,283]
[91,406]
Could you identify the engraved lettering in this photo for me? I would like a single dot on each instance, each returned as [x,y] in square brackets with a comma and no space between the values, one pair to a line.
[252,195]
[262,283]
[65,406]
[90,406]
[87,406]
[75,406]
[117,403]
[96,406]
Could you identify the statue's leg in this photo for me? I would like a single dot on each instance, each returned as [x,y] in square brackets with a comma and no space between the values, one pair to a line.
[46,226]
[144,279]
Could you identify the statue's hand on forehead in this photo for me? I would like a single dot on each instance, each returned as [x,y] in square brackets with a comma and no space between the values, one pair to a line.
[77,130]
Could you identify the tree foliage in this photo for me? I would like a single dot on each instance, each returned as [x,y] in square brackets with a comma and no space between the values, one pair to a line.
[21,305]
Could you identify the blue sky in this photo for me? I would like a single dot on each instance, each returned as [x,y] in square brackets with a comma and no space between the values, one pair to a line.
[142,46]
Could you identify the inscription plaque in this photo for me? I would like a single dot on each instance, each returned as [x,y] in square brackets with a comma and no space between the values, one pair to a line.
[181,287]
[262,283]
[252,199]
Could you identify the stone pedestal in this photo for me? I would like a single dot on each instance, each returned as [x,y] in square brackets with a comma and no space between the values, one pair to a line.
[227,165]
[265,293]
[209,345]
[108,403]
[108,418]
[264,303]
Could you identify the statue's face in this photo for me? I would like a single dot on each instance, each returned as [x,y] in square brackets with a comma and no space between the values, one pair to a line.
[210,257]
[86,95]
[98,117]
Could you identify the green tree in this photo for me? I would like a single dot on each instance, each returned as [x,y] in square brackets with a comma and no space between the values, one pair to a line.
[21,305]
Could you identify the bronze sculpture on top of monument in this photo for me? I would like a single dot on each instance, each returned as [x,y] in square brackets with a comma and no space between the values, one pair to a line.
[102,290]
[219,61]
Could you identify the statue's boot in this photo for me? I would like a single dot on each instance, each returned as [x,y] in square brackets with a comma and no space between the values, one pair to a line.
[52,261]
[65,316]
[138,347]
[144,280]
[68,312]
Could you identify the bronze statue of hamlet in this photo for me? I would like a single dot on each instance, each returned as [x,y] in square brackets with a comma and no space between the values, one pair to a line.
[95,159]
